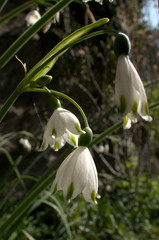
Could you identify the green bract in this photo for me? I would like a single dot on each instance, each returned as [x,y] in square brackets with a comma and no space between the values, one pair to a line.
[122,44]
[85,138]
[41,81]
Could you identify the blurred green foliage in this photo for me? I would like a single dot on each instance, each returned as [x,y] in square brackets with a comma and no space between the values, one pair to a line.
[127,211]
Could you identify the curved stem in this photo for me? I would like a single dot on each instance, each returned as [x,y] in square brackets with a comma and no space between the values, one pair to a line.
[64,96]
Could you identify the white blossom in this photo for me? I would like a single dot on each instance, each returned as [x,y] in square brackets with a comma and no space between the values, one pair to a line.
[77,174]
[63,126]
[130,95]
[26,144]
[98,1]
[32,17]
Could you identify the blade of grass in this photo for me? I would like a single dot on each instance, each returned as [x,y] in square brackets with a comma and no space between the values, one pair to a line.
[27,235]
[2,4]
[62,215]
[15,180]
[27,35]
[4,178]
[44,66]
[16,11]
[9,225]
[14,167]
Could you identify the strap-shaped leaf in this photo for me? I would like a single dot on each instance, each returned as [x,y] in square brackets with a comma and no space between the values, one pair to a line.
[27,35]
[44,66]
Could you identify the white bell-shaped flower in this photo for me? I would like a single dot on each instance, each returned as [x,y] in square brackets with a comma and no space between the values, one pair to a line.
[77,174]
[32,17]
[62,127]
[130,95]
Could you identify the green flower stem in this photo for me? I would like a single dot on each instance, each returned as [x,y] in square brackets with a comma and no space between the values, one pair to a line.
[47,62]
[16,11]
[24,38]
[41,185]
[115,127]
[106,132]
[46,90]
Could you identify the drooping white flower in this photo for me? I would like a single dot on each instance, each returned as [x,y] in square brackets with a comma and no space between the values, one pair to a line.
[62,127]
[98,1]
[26,144]
[77,174]
[130,95]
[32,17]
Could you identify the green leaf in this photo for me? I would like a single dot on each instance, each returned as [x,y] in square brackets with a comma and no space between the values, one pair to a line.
[16,11]
[24,38]
[10,224]
[44,66]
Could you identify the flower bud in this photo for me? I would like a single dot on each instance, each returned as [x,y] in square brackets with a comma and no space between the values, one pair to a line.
[85,138]
[122,44]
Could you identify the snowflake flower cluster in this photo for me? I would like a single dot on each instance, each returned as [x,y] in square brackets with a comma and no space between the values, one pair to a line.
[78,174]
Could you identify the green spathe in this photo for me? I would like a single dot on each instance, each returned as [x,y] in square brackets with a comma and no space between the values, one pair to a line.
[122,44]
[85,138]
[43,80]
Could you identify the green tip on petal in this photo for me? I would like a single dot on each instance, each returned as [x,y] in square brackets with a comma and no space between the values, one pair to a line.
[126,121]
[73,139]
[122,44]
[55,188]
[98,196]
[134,108]
[78,128]
[56,146]
[147,109]
[70,191]
[122,104]
[93,196]
[53,132]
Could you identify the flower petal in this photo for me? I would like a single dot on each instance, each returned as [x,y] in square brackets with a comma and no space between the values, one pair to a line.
[77,174]
[70,121]
[91,189]
[71,139]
